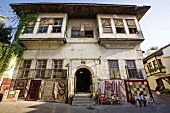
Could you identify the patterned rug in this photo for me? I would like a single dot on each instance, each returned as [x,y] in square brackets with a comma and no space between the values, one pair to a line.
[33,90]
[60,90]
[136,86]
[20,84]
[48,90]
[10,95]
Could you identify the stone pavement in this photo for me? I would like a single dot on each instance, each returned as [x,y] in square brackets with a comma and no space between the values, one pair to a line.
[53,107]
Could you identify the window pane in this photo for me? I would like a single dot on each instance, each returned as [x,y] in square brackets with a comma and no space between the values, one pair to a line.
[56,30]
[114,69]
[132,26]
[132,71]
[131,64]
[113,64]
[25,70]
[46,21]
[58,21]
[57,64]
[160,62]
[88,33]
[42,29]
[28,30]
[75,34]
[120,30]
[132,30]
[131,23]
[118,22]
[106,22]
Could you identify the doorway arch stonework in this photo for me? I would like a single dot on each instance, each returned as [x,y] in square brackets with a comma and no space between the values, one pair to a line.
[92,75]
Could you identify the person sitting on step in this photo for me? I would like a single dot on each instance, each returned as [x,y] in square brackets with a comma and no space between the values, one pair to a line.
[141,99]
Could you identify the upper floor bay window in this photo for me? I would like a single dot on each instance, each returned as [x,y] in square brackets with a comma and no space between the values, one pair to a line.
[132,26]
[55,22]
[114,69]
[106,25]
[24,71]
[82,31]
[132,71]
[29,28]
[119,26]
[40,68]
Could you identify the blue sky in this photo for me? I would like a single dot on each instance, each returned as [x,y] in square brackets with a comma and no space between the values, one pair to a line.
[155,24]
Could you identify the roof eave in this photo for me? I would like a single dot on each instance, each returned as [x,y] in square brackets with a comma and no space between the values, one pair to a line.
[89,9]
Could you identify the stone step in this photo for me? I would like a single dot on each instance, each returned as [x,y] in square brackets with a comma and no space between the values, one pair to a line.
[83,99]
[82,103]
[83,95]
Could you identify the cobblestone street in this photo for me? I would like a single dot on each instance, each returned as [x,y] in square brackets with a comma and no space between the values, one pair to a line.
[52,107]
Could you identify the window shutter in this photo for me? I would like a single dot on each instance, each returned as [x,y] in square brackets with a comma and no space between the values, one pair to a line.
[76,27]
[88,27]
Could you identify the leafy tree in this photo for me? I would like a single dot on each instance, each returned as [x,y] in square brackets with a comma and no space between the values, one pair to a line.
[5,33]
[8,50]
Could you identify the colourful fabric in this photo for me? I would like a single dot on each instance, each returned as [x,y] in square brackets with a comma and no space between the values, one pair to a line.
[113,87]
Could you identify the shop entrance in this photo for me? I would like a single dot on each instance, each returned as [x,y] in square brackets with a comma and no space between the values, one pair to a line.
[83,80]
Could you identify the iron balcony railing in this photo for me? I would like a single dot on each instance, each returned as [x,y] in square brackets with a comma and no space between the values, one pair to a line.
[135,73]
[42,73]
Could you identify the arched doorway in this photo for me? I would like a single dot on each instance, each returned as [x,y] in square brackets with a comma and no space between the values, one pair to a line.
[83,80]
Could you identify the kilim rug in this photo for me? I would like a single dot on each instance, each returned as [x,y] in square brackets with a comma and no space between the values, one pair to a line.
[20,84]
[33,90]
[10,95]
[136,86]
[48,90]
[60,90]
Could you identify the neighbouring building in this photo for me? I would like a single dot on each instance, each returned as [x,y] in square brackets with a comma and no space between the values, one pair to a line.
[81,47]
[157,66]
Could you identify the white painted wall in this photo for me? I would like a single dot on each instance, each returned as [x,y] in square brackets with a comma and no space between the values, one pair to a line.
[166,58]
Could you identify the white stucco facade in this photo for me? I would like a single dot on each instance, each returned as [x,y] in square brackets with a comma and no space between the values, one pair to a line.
[102,43]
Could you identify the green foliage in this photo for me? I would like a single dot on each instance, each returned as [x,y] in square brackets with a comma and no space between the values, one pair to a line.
[10,50]
[5,33]
[161,67]
[156,68]
[7,52]
[154,48]
[25,17]
[167,91]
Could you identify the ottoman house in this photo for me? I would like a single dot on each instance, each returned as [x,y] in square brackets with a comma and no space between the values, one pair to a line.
[82,48]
